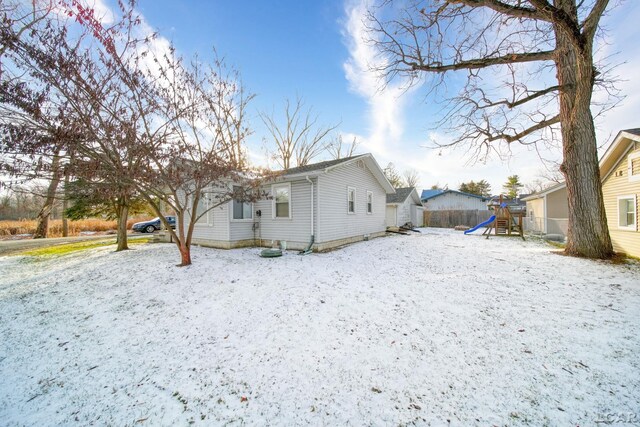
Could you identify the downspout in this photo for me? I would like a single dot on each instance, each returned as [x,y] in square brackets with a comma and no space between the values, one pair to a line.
[309,248]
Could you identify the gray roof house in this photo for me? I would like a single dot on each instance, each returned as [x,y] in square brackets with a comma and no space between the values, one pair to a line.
[404,206]
[334,203]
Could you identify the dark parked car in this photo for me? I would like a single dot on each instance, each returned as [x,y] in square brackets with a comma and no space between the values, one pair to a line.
[153,225]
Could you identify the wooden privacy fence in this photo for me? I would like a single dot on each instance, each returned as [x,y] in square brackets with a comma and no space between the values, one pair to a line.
[452,218]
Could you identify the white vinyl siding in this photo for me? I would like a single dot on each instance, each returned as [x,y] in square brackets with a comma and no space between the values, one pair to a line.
[403,215]
[203,210]
[333,222]
[214,226]
[296,230]
[627,213]
[351,200]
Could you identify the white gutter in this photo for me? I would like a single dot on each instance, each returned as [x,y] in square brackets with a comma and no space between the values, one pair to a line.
[311,182]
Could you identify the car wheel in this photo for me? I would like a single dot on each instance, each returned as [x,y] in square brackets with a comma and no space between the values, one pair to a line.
[149,229]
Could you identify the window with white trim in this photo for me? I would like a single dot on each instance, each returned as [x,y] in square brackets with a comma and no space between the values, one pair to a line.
[634,166]
[369,202]
[351,200]
[627,212]
[241,210]
[204,208]
[281,200]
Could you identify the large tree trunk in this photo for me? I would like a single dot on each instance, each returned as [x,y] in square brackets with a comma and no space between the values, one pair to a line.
[587,234]
[123,216]
[42,229]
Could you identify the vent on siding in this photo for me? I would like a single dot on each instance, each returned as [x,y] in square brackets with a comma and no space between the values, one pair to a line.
[360,164]
[635,166]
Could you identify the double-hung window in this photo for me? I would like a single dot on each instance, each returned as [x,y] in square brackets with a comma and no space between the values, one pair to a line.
[369,202]
[351,200]
[627,213]
[281,200]
[241,210]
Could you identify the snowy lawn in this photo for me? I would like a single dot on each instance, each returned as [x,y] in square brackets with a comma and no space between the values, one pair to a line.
[434,328]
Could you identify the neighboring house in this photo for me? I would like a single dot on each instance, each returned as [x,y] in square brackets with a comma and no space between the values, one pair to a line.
[620,173]
[439,200]
[404,206]
[548,210]
[336,202]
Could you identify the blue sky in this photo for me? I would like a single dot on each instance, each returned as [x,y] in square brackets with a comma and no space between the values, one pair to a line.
[313,49]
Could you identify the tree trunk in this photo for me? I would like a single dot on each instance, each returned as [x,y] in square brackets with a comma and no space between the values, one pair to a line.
[65,206]
[185,255]
[123,216]
[588,234]
[42,229]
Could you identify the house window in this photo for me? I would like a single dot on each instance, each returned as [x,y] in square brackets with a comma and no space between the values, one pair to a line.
[242,210]
[351,200]
[627,212]
[531,217]
[634,167]
[369,202]
[281,200]
[204,212]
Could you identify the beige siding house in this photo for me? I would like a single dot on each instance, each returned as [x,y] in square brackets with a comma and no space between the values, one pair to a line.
[548,211]
[322,205]
[620,172]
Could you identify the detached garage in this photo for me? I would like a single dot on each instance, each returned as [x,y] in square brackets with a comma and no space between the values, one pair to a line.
[404,206]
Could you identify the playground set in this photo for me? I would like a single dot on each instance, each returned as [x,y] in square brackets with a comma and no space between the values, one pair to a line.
[503,223]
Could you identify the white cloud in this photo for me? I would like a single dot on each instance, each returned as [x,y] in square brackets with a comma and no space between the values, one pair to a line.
[385,104]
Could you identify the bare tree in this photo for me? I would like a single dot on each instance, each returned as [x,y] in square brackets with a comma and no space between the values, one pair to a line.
[393,176]
[145,122]
[340,149]
[198,164]
[541,53]
[299,139]
[411,177]
[18,18]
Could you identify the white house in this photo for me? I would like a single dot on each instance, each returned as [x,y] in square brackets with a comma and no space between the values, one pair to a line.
[403,207]
[440,200]
[320,206]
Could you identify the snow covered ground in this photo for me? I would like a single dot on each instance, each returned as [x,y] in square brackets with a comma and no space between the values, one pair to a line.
[437,328]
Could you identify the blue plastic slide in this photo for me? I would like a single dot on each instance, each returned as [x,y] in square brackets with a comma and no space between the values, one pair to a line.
[482,224]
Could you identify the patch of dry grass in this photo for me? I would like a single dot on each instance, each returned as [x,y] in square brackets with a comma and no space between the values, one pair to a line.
[13,228]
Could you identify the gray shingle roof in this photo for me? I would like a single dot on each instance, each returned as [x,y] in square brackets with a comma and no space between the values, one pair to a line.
[635,131]
[400,195]
[317,166]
